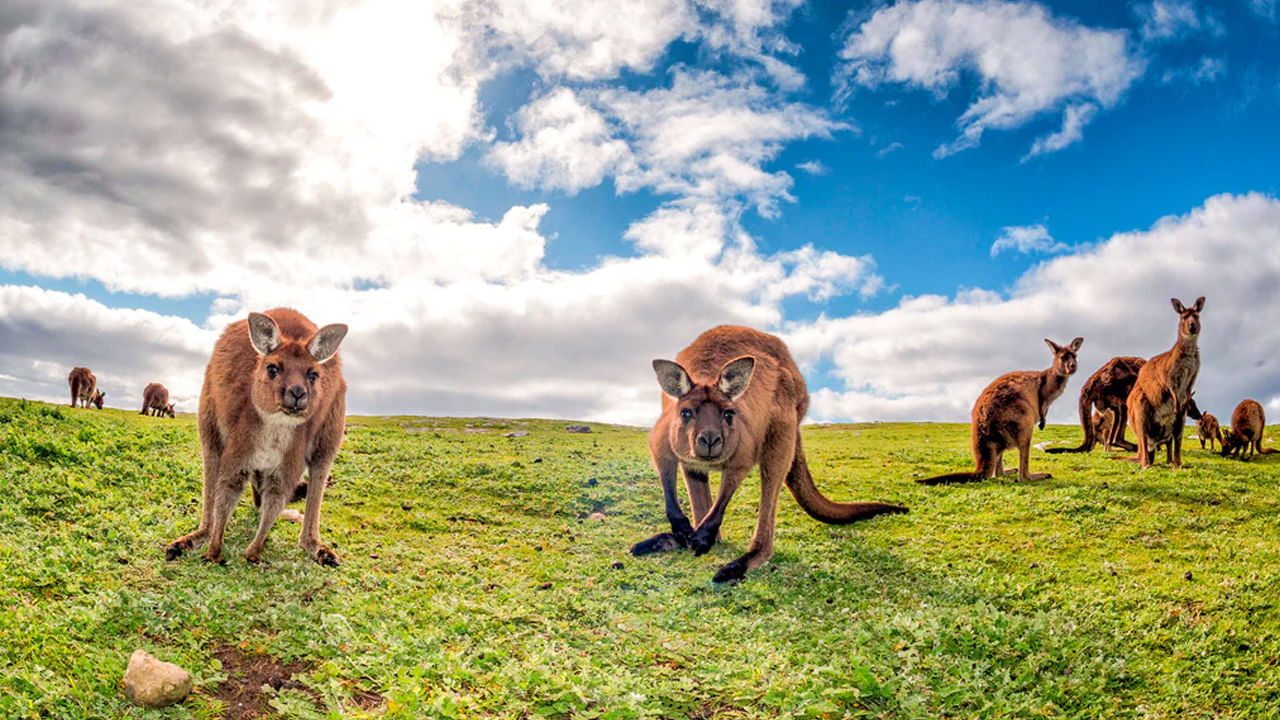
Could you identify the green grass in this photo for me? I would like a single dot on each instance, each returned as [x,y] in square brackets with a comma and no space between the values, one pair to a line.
[474,586]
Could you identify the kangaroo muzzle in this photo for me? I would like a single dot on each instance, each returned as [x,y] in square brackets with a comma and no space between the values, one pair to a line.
[294,399]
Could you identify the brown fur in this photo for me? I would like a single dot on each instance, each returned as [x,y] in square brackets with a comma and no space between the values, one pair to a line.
[734,399]
[1159,400]
[155,401]
[1006,413]
[1107,389]
[84,388]
[273,402]
[1207,428]
[1247,424]
[1104,423]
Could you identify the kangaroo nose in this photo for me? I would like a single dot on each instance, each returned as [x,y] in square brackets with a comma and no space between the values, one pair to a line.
[709,443]
[295,397]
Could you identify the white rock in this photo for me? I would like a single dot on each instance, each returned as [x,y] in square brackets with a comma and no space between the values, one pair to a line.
[151,682]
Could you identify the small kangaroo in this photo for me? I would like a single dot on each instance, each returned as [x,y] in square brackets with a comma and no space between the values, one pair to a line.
[1104,423]
[155,401]
[1247,423]
[1161,396]
[732,400]
[1207,428]
[84,388]
[1006,413]
[1107,388]
[273,402]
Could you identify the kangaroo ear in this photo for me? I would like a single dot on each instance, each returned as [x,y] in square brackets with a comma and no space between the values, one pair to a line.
[735,376]
[1055,347]
[263,333]
[1075,344]
[1199,303]
[672,378]
[1177,305]
[324,344]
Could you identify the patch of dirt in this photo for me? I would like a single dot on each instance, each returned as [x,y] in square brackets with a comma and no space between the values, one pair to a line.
[366,699]
[242,691]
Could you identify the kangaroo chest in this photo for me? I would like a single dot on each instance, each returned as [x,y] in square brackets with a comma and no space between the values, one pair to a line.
[273,442]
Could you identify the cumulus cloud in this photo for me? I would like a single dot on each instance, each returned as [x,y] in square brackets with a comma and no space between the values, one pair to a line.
[1026,239]
[1027,63]
[929,357]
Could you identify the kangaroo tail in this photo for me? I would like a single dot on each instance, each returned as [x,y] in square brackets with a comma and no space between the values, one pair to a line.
[951,478]
[800,482]
[1086,422]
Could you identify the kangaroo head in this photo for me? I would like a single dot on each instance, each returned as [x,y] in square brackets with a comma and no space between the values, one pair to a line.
[1064,357]
[704,426]
[97,399]
[1193,412]
[169,410]
[1189,325]
[292,373]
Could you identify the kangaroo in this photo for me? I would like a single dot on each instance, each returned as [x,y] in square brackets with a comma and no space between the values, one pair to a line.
[1247,423]
[732,400]
[273,401]
[1103,423]
[1159,400]
[1006,413]
[1108,387]
[1207,428]
[155,400]
[84,388]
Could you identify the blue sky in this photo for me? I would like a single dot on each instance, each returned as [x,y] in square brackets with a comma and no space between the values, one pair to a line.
[516,205]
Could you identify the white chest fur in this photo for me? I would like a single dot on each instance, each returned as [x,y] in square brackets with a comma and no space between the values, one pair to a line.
[275,438]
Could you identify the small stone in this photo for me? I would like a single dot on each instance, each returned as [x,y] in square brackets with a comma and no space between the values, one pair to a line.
[537,460]
[1186,575]
[406,507]
[151,682]
[592,482]
[578,428]
[545,586]
[516,433]
[596,516]
[1034,565]
[617,565]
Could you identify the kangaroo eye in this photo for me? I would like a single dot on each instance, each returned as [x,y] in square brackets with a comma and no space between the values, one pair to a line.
[273,371]
[729,415]
[312,377]
[686,414]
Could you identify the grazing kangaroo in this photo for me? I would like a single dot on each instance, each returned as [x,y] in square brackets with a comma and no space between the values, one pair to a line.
[84,388]
[1160,398]
[1107,388]
[1006,413]
[155,401]
[1247,424]
[732,400]
[1207,428]
[273,402]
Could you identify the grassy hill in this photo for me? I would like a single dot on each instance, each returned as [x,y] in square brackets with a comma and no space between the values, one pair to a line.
[474,584]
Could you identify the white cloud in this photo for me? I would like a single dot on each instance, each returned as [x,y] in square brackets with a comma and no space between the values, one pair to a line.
[1027,62]
[929,357]
[1026,239]
[813,167]
[891,147]
[1208,70]
[1167,19]
[1074,118]
[1264,8]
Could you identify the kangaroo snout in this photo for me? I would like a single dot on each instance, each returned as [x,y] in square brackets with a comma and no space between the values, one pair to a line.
[294,398]
[710,444]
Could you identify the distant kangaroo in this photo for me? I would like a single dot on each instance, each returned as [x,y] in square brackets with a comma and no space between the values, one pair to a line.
[1207,428]
[734,399]
[1006,414]
[1104,423]
[1247,423]
[155,401]
[273,402]
[84,388]
[1107,388]
[1160,398]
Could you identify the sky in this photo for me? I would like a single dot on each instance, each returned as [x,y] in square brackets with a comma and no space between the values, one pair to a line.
[517,204]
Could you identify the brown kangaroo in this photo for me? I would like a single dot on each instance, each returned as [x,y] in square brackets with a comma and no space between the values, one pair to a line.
[1247,423]
[1104,423]
[1107,388]
[84,388]
[1160,398]
[155,401]
[1207,428]
[273,402]
[1006,413]
[732,400]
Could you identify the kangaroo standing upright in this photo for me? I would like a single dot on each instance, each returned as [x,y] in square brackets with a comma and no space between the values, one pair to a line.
[273,402]
[1207,428]
[1006,414]
[1247,423]
[84,388]
[734,399]
[1159,400]
[1106,389]
[155,400]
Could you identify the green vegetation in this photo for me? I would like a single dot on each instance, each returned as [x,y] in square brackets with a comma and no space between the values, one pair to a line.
[474,584]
